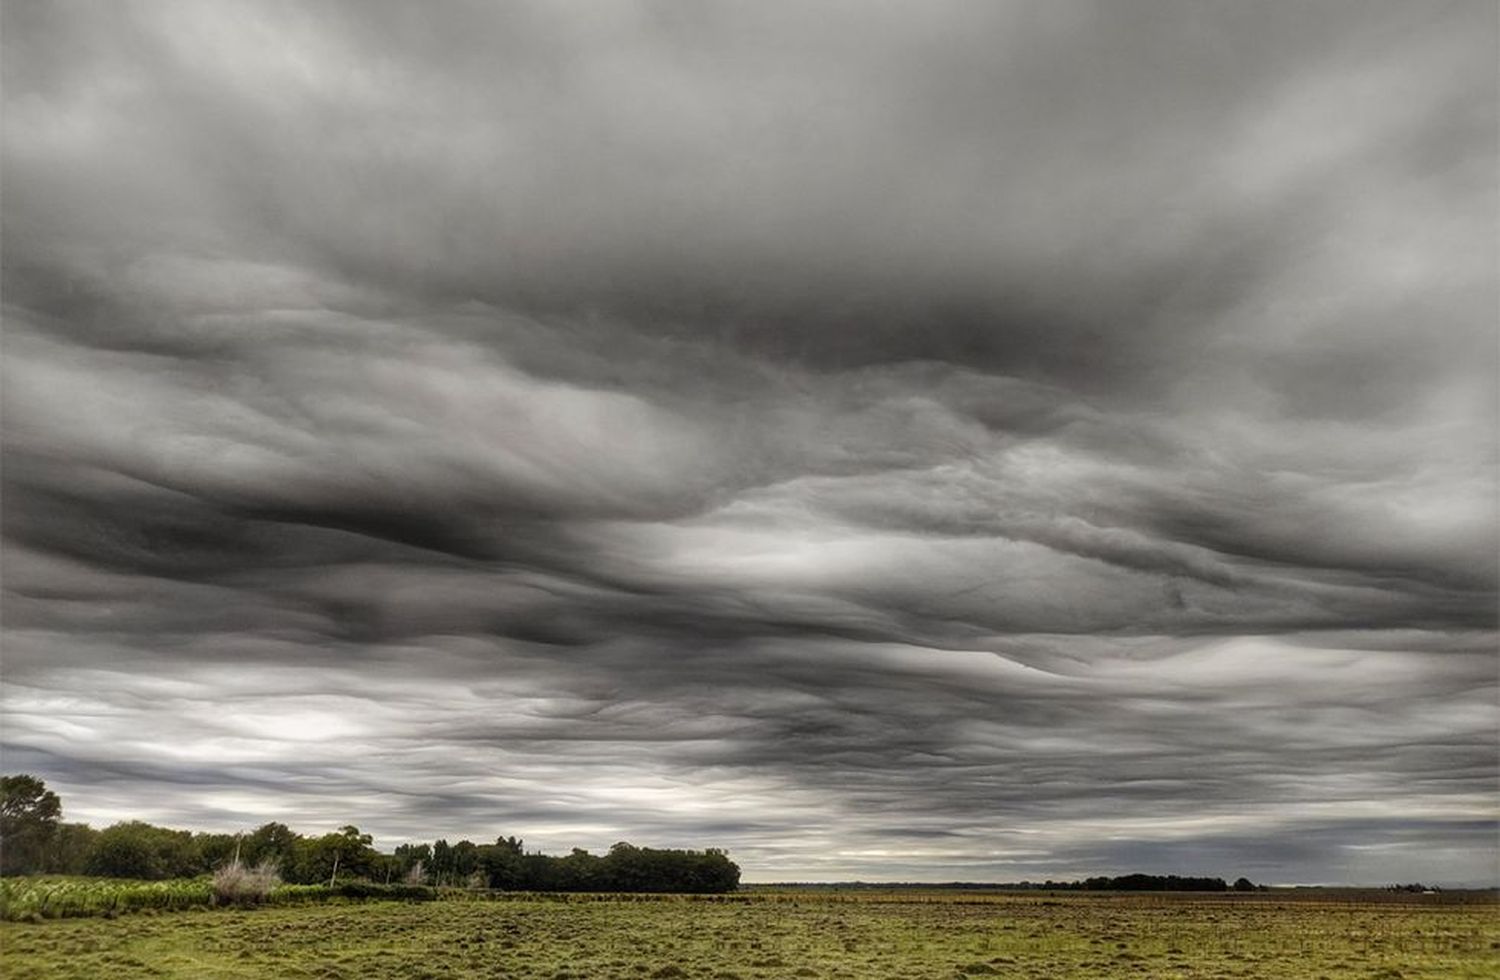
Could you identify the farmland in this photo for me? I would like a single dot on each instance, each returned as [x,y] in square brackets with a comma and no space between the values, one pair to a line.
[780,935]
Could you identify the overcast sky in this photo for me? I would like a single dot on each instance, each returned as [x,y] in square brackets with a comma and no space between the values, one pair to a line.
[886,440]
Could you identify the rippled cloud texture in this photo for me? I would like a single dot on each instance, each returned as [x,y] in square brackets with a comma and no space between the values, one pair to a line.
[905,441]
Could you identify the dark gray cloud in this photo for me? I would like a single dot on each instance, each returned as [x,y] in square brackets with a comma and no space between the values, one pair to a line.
[958,442]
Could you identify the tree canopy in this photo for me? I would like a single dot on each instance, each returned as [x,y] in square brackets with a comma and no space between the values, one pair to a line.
[34,841]
[29,815]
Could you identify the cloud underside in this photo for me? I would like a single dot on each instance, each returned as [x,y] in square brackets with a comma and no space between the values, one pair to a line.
[968,442]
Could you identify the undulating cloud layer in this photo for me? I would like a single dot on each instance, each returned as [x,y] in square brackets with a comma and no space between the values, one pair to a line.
[977,441]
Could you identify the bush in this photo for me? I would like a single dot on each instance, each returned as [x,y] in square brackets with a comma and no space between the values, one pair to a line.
[369,889]
[236,884]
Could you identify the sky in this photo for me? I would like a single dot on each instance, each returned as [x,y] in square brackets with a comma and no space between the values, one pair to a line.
[941,441]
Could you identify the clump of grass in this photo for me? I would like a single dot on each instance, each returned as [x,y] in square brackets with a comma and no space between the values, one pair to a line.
[237,884]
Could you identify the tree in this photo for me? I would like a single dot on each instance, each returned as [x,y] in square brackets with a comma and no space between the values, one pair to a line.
[1244,885]
[410,858]
[217,850]
[122,851]
[502,863]
[345,854]
[140,850]
[442,862]
[69,849]
[578,872]
[29,813]
[32,840]
[274,842]
[465,857]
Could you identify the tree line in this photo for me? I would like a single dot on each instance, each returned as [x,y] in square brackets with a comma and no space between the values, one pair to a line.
[35,840]
[1163,883]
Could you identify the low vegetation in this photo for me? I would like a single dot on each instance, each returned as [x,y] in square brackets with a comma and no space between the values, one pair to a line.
[867,935]
[59,897]
[237,884]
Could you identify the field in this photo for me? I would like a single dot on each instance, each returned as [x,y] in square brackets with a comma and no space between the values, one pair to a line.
[779,935]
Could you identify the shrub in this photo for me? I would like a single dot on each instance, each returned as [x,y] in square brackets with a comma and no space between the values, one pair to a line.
[358,889]
[236,884]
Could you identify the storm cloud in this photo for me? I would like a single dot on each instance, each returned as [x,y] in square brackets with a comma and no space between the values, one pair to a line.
[939,441]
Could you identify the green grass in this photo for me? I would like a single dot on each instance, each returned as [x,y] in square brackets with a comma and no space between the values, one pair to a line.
[839,937]
[57,896]
[33,899]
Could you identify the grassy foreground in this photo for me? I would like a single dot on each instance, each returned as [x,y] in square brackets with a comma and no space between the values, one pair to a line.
[861,937]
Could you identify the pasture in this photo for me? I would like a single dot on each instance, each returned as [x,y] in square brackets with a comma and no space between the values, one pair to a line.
[838,936]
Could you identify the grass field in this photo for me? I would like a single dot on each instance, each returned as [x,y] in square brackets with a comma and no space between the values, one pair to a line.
[830,935]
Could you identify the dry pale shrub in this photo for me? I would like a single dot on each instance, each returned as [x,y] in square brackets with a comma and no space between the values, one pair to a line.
[237,884]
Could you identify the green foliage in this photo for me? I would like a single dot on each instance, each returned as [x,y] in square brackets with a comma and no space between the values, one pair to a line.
[410,863]
[274,842]
[346,853]
[503,863]
[66,897]
[371,889]
[140,850]
[216,850]
[68,852]
[29,814]
[59,897]
[134,849]
[626,868]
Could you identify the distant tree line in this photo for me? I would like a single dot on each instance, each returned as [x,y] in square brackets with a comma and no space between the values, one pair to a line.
[34,840]
[1102,883]
[1162,883]
[1133,882]
[1142,883]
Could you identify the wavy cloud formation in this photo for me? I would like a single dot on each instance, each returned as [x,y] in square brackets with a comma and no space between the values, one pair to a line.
[945,442]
